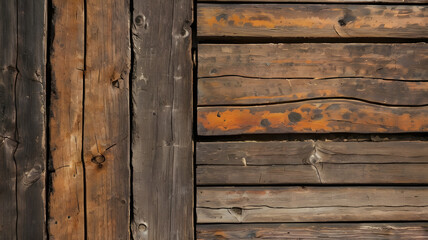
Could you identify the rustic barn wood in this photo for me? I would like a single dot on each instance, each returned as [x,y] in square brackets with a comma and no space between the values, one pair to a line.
[405,61]
[23,119]
[162,120]
[311,204]
[312,20]
[8,130]
[240,90]
[314,116]
[66,201]
[106,144]
[297,153]
[412,230]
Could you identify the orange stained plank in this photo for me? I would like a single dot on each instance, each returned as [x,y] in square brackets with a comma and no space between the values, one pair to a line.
[312,116]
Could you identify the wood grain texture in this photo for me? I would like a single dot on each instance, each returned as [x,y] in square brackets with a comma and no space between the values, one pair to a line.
[106,146]
[30,96]
[324,1]
[312,20]
[66,201]
[311,204]
[243,91]
[315,60]
[298,153]
[412,230]
[8,131]
[162,120]
[314,116]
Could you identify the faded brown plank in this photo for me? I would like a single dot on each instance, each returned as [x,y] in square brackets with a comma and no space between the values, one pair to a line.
[30,100]
[315,116]
[298,153]
[412,230]
[311,204]
[106,144]
[312,20]
[66,201]
[315,60]
[8,131]
[313,173]
[239,90]
[162,120]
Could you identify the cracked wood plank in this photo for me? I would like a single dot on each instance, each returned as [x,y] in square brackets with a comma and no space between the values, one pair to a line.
[412,230]
[8,131]
[235,90]
[313,116]
[24,41]
[66,201]
[312,20]
[310,204]
[106,141]
[406,61]
[162,120]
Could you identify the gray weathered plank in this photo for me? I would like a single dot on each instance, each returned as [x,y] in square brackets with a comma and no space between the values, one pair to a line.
[8,142]
[66,197]
[405,61]
[162,120]
[235,90]
[312,20]
[311,204]
[106,142]
[411,230]
[30,96]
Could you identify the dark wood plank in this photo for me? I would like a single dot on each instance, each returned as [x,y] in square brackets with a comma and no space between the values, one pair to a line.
[312,20]
[30,155]
[313,173]
[238,90]
[106,144]
[298,153]
[311,204]
[8,131]
[314,116]
[315,60]
[412,230]
[66,201]
[162,120]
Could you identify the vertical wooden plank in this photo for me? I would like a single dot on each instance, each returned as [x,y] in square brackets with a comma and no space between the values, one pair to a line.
[106,119]
[8,143]
[162,122]
[30,156]
[66,201]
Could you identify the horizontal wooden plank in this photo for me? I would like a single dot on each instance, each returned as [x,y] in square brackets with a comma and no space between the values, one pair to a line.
[315,116]
[325,1]
[311,204]
[237,90]
[411,230]
[298,153]
[312,20]
[315,60]
[314,173]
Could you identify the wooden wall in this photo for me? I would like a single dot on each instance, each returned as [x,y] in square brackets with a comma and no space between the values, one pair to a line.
[311,113]
[96,119]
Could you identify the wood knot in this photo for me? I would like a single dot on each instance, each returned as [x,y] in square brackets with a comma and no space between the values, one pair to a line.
[142,227]
[99,160]
[236,210]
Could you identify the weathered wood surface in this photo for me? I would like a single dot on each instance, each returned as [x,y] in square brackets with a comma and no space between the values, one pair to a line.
[325,1]
[314,116]
[311,204]
[312,20]
[162,120]
[297,153]
[106,144]
[29,123]
[412,230]
[66,200]
[315,60]
[8,131]
[238,90]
